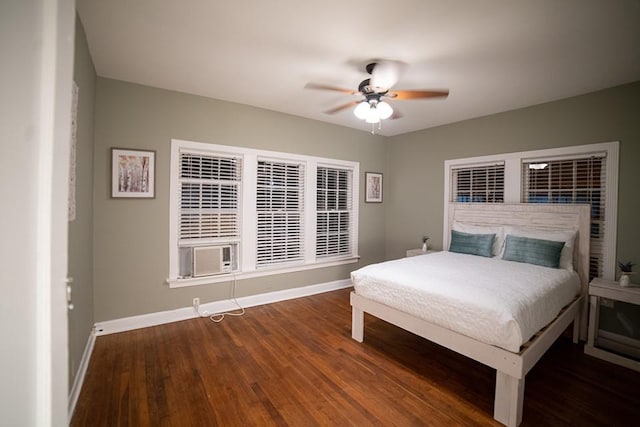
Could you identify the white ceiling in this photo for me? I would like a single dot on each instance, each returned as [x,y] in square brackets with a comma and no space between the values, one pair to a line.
[493,55]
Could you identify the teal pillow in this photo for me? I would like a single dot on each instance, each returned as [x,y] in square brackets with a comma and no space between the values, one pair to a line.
[472,244]
[533,251]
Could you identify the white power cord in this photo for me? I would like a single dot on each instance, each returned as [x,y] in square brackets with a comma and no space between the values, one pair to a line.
[219,317]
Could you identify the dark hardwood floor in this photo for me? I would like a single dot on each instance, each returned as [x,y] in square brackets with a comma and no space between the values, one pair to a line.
[294,363]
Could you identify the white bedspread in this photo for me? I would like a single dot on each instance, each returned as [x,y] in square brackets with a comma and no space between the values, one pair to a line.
[503,303]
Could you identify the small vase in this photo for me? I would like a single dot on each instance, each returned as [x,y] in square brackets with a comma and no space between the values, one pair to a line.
[424,247]
[625,279]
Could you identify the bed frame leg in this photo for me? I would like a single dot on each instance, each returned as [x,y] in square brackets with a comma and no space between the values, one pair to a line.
[357,324]
[576,329]
[507,407]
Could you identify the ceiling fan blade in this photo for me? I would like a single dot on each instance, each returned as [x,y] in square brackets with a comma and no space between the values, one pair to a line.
[385,74]
[418,94]
[327,87]
[342,107]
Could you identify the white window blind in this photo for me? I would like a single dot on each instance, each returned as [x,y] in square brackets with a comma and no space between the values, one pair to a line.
[478,183]
[280,212]
[334,212]
[208,194]
[578,180]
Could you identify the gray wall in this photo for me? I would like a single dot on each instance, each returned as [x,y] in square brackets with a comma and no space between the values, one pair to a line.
[415,162]
[131,252]
[81,230]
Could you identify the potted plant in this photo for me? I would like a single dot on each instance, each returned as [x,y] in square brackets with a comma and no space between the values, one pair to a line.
[626,270]
[425,246]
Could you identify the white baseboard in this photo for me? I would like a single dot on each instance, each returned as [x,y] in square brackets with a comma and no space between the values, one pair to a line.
[159,318]
[79,377]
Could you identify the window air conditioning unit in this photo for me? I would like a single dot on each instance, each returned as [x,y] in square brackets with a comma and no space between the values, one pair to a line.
[210,260]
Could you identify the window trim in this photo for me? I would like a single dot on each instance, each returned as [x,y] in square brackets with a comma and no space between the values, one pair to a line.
[248,217]
[513,185]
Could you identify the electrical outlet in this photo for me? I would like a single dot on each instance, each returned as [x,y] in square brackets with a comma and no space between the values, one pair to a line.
[196,304]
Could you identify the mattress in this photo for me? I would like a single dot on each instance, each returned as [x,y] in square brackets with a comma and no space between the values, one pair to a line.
[501,303]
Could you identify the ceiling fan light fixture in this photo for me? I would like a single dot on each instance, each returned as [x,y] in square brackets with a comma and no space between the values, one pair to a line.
[372,117]
[373,112]
[384,110]
[362,110]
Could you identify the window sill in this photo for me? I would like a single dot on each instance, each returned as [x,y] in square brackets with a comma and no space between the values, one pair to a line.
[180,283]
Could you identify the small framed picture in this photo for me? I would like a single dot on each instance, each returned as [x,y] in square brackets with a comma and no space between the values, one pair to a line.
[132,173]
[373,187]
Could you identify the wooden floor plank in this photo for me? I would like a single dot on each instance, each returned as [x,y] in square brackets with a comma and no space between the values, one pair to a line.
[294,364]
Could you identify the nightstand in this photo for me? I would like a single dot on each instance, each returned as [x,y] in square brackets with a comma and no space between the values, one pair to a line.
[418,251]
[601,288]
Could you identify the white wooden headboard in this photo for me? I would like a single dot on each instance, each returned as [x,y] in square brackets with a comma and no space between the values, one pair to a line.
[537,215]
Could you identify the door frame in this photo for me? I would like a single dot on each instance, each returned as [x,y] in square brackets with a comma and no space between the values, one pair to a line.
[56,75]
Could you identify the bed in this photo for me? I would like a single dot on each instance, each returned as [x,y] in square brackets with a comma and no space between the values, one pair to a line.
[516,347]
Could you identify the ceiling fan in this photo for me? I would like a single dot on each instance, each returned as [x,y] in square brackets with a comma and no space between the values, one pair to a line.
[373,108]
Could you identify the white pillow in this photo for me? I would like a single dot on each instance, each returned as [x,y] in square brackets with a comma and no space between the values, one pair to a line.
[566,236]
[498,242]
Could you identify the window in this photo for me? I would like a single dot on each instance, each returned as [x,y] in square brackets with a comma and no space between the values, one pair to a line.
[209,203]
[334,212]
[280,207]
[571,180]
[478,183]
[249,213]
[578,174]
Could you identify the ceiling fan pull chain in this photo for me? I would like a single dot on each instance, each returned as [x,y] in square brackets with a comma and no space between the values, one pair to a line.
[373,127]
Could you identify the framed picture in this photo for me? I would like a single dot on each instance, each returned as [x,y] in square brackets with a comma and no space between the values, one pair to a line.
[373,187]
[132,173]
